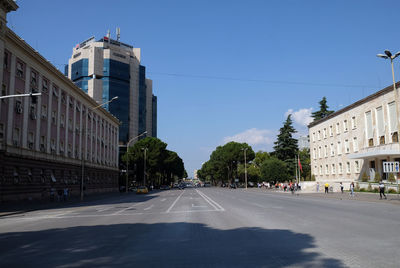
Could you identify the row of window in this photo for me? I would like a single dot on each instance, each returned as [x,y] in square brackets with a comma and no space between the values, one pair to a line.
[331,169]
[332,149]
[344,126]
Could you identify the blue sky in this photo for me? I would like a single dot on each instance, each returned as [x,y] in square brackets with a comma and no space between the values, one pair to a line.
[231,70]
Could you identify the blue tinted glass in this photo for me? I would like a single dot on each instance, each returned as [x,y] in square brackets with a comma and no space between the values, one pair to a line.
[142,99]
[79,69]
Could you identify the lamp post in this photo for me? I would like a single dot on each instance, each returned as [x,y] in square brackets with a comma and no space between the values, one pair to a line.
[388,55]
[245,166]
[84,137]
[127,158]
[144,166]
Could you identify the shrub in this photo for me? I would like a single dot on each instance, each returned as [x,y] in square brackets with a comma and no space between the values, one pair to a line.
[377,177]
[392,191]
[364,177]
[391,177]
[357,187]
[375,190]
[362,190]
[313,177]
[369,187]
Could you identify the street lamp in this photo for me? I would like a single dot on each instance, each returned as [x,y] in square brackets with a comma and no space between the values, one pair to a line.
[127,157]
[84,137]
[144,168]
[245,166]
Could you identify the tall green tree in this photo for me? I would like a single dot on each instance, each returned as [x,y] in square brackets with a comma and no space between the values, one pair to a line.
[286,147]
[273,169]
[305,162]
[323,110]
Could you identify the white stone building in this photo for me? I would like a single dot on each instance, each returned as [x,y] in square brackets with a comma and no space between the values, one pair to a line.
[356,140]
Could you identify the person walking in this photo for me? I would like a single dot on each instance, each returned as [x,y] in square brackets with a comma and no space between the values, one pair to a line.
[352,189]
[326,188]
[382,190]
[317,187]
[341,187]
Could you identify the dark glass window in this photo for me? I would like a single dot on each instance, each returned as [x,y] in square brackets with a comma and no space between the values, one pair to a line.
[79,69]
[142,99]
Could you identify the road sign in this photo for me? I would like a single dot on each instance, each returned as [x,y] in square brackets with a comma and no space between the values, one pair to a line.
[391,167]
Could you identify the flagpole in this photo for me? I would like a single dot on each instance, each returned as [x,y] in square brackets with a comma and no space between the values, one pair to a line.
[296,166]
[298,159]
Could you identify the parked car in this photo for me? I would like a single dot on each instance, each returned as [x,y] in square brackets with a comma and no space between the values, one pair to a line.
[232,186]
[164,187]
[142,190]
[207,184]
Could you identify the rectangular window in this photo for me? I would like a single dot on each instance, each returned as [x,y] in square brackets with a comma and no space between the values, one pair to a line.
[355,144]
[45,86]
[337,128]
[313,137]
[340,168]
[332,150]
[30,140]
[42,143]
[357,166]
[54,117]
[326,169]
[353,123]
[61,146]
[393,121]
[53,145]
[368,129]
[380,124]
[324,133]
[326,151]
[331,131]
[44,111]
[33,79]
[16,137]
[319,135]
[70,124]
[339,148]
[348,167]
[319,152]
[20,70]
[5,62]
[345,126]
[320,170]
[315,153]
[1,131]
[346,146]
[333,169]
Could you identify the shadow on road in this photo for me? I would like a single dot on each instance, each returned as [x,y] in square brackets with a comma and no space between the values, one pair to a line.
[160,245]
[7,209]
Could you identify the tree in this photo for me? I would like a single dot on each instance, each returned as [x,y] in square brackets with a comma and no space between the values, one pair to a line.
[286,146]
[274,169]
[305,162]
[323,110]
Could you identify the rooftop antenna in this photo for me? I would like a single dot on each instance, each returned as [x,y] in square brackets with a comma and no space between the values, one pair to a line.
[118,33]
[108,34]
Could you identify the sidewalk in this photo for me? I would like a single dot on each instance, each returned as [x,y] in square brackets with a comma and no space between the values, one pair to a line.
[12,208]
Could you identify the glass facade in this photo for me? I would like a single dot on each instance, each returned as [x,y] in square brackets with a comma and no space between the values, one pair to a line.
[116,83]
[79,74]
[154,116]
[142,99]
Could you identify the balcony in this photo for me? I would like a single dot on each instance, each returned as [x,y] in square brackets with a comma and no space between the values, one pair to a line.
[391,149]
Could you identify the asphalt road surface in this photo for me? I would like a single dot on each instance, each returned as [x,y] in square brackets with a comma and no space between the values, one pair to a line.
[205,227]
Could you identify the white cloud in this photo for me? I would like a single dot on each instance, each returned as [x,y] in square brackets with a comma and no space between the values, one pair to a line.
[301,117]
[260,139]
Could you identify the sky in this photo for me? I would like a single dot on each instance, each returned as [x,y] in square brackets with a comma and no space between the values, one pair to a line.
[230,70]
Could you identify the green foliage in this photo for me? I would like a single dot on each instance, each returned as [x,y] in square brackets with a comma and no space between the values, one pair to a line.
[224,161]
[312,177]
[392,191]
[357,186]
[260,158]
[286,147]
[162,165]
[391,178]
[375,190]
[323,110]
[377,177]
[274,169]
[364,177]
[362,190]
[305,161]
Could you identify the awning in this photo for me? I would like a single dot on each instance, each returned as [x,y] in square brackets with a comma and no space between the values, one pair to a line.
[385,150]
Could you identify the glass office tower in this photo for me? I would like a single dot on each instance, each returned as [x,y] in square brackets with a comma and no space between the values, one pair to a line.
[107,68]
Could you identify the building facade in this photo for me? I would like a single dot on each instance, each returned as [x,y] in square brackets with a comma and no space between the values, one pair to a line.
[107,68]
[356,140]
[56,140]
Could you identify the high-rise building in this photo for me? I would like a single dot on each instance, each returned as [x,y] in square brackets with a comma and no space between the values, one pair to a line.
[107,68]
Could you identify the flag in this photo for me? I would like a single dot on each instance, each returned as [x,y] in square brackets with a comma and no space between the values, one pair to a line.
[300,167]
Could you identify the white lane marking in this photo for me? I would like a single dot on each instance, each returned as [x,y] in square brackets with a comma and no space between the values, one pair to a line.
[162,200]
[194,206]
[149,207]
[173,204]
[102,209]
[122,210]
[214,204]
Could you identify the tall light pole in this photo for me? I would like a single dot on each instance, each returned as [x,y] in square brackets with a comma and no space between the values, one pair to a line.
[245,166]
[144,166]
[84,137]
[127,158]
[388,55]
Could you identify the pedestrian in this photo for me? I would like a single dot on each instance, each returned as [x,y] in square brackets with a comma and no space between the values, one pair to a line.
[65,194]
[352,189]
[326,188]
[341,187]
[317,187]
[382,190]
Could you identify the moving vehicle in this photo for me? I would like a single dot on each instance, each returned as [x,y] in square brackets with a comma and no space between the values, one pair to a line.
[142,190]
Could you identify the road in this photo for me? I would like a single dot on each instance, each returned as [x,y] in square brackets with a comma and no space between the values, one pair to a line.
[205,227]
